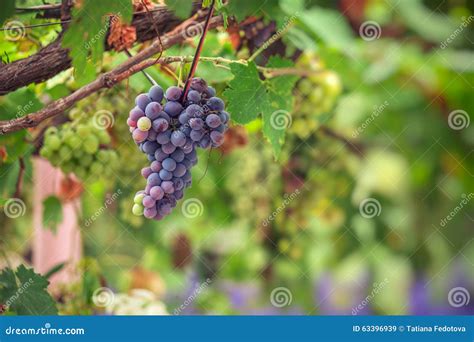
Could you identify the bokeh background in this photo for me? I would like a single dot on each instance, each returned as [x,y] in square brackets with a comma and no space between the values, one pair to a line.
[368,209]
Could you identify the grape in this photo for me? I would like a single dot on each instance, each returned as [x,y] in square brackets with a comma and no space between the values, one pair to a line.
[173,93]
[150,147]
[91,144]
[131,123]
[168,148]
[167,187]
[157,192]
[178,155]
[142,101]
[163,137]
[194,111]
[137,209]
[168,135]
[148,201]
[196,135]
[154,179]
[213,120]
[153,110]
[178,184]
[215,103]
[138,197]
[198,84]
[160,125]
[180,170]
[160,155]
[144,124]
[178,138]
[156,166]
[224,116]
[146,171]
[149,213]
[211,91]
[136,113]
[196,123]
[139,135]
[53,142]
[194,96]
[165,175]
[169,164]
[217,137]
[183,118]
[156,93]
[173,109]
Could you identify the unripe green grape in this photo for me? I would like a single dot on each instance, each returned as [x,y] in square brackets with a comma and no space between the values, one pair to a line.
[96,168]
[137,209]
[65,153]
[83,130]
[91,144]
[46,152]
[103,156]
[73,141]
[86,160]
[138,198]
[104,137]
[52,141]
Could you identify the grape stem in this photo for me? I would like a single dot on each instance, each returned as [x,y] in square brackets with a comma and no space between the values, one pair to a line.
[19,182]
[198,52]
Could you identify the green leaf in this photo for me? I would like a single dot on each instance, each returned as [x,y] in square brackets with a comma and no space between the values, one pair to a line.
[244,8]
[8,8]
[52,212]
[182,8]
[329,25]
[24,292]
[246,95]
[277,116]
[86,35]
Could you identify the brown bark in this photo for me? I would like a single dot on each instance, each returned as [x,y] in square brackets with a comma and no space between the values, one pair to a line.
[105,80]
[52,59]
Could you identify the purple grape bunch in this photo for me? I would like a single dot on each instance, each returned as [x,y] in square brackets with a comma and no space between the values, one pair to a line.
[168,129]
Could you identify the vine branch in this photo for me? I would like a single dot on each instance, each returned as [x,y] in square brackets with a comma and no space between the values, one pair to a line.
[105,80]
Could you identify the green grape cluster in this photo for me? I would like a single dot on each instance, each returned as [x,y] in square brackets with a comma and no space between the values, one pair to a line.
[315,97]
[253,184]
[79,147]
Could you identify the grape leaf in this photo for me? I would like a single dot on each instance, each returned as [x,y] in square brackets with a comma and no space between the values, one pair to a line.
[8,8]
[246,96]
[86,35]
[24,292]
[181,8]
[277,116]
[244,8]
[52,212]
